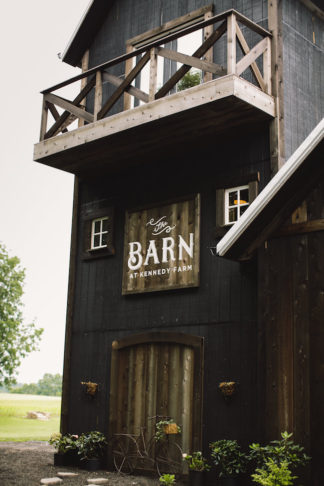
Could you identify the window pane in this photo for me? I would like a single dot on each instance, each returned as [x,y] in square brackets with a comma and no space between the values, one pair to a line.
[96,241]
[105,225]
[232,198]
[232,215]
[244,196]
[243,209]
[104,239]
[97,226]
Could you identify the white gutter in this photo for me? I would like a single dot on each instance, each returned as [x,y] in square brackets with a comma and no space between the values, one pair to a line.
[77,29]
[271,189]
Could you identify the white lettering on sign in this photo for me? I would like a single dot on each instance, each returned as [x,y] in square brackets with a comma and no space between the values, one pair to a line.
[160,271]
[160,226]
[135,260]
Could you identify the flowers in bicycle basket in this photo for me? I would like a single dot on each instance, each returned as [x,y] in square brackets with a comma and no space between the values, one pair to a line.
[196,461]
[166,427]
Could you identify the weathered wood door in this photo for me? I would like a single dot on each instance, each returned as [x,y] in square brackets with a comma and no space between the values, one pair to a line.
[157,374]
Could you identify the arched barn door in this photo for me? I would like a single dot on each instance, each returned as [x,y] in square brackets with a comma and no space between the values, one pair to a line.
[157,374]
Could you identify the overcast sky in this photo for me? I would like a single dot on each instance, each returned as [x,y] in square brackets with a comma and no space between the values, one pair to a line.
[35,200]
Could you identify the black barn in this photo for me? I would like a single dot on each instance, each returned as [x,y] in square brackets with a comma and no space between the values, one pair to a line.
[177,282]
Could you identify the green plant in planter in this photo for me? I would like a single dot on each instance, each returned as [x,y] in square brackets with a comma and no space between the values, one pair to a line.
[166,427]
[274,474]
[167,479]
[228,458]
[196,461]
[64,443]
[279,451]
[91,445]
[190,79]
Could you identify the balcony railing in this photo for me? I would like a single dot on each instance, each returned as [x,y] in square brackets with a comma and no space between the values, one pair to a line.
[227,25]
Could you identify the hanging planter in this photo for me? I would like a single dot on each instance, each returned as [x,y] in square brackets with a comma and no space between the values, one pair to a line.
[90,388]
[166,427]
[228,388]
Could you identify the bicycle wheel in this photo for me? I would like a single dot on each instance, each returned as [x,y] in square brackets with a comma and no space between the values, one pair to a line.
[168,458]
[123,450]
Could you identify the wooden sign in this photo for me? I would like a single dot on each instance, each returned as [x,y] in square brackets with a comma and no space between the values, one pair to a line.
[162,247]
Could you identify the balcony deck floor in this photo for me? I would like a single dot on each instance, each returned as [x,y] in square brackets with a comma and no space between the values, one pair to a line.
[215,107]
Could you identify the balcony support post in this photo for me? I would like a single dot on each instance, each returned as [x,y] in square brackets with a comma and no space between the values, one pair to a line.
[209,54]
[98,95]
[267,67]
[231,44]
[43,120]
[153,73]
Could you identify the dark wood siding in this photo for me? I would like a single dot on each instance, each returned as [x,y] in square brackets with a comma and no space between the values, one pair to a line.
[303,71]
[291,288]
[127,19]
[222,309]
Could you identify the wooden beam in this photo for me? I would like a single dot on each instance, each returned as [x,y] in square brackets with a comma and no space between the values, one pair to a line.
[153,73]
[128,68]
[164,40]
[70,107]
[63,127]
[209,54]
[314,9]
[254,53]
[127,81]
[69,314]
[277,141]
[301,228]
[254,66]
[267,67]
[192,61]
[171,25]
[44,119]
[231,44]
[198,53]
[98,95]
[84,67]
[56,115]
[83,93]
[138,93]
[251,25]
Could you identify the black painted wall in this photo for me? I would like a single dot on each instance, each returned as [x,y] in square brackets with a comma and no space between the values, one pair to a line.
[303,72]
[223,308]
[127,19]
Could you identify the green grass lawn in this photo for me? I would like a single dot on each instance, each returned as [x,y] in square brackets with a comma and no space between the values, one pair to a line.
[13,422]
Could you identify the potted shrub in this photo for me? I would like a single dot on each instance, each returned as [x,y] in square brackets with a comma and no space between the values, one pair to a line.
[274,474]
[66,449]
[167,479]
[229,460]
[198,467]
[91,448]
[276,460]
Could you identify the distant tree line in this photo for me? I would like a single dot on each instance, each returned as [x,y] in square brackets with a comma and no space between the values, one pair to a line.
[50,385]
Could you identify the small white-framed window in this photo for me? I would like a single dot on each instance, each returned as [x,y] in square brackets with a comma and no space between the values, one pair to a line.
[99,233]
[236,203]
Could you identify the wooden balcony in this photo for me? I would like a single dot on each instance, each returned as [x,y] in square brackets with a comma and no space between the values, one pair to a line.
[222,101]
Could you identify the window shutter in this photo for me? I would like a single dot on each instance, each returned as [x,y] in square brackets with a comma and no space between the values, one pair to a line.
[220,210]
[253,190]
[86,236]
